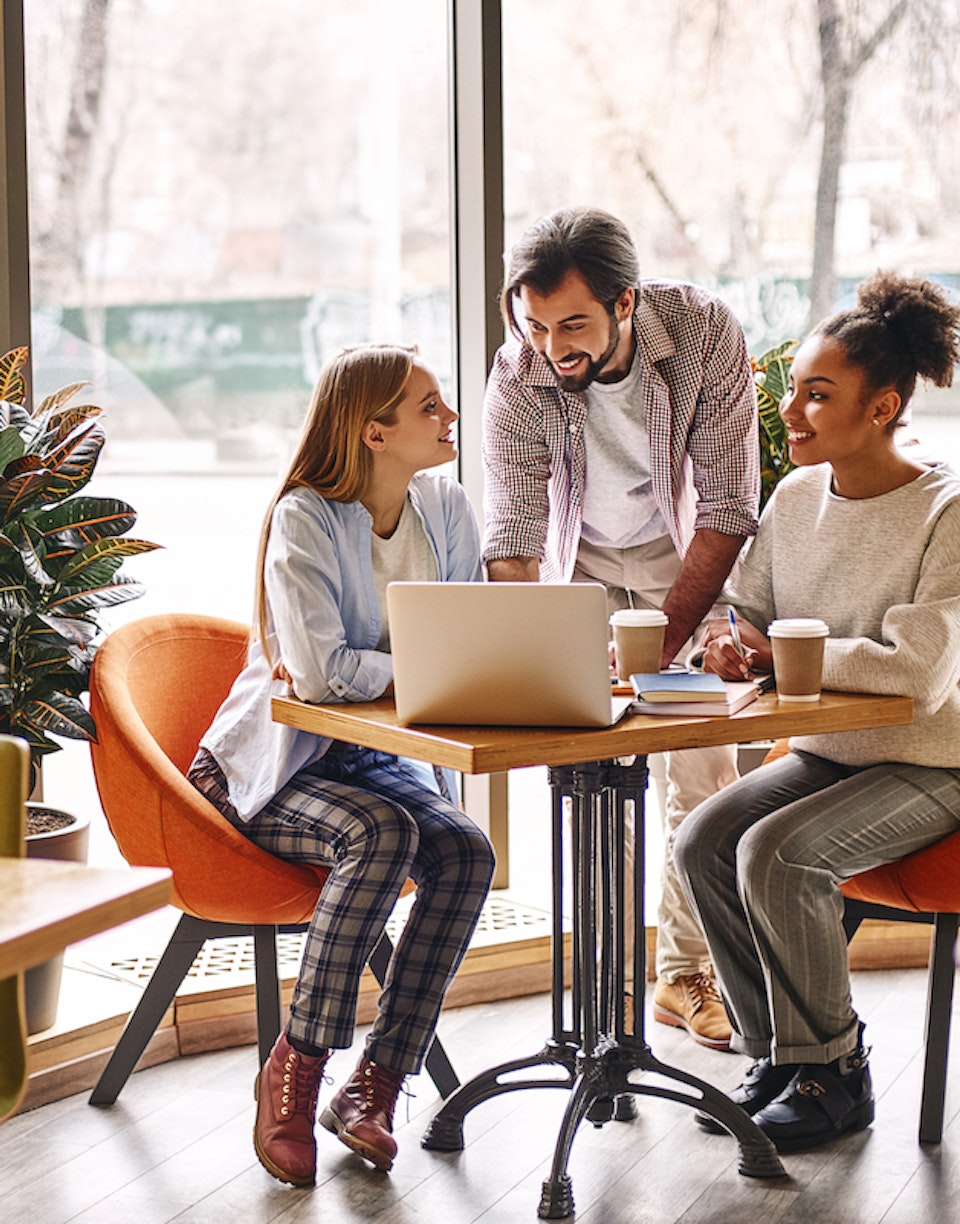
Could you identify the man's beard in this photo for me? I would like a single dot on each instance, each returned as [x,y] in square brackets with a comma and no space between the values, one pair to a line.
[580,382]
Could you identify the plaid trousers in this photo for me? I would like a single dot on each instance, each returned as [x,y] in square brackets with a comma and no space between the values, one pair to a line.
[374,821]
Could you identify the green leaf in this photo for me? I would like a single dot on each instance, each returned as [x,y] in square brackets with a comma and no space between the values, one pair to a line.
[59,715]
[12,386]
[772,378]
[38,742]
[13,413]
[73,603]
[15,599]
[81,520]
[22,492]
[72,462]
[58,398]
[75,631]
[76,572]
[11,445]
[28,542]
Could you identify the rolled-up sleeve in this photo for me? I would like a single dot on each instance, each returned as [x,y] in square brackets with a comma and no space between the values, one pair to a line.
[516,459]
[723,442]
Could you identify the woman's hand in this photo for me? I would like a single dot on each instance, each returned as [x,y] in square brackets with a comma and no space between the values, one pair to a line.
[280,673]
[720,654]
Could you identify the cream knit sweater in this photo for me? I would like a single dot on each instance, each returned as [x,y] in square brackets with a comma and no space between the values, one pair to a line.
[884,573]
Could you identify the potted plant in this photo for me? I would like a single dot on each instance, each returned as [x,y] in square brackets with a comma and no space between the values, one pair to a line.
[771,373]
[60,558]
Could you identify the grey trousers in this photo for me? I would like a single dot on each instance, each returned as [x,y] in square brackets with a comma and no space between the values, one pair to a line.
[762,863]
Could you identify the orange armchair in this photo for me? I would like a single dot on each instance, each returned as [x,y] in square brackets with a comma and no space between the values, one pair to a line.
[922,887]
[155,686]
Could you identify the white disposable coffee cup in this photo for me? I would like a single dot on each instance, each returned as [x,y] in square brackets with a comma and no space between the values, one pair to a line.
[638,640]
[798,657]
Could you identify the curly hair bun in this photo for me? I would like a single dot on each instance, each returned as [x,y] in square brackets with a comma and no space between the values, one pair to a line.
[920,318]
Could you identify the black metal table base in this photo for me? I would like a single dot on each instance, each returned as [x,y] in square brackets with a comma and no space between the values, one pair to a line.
[595,1048]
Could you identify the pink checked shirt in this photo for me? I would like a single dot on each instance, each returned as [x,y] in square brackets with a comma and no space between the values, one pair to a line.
[701,411]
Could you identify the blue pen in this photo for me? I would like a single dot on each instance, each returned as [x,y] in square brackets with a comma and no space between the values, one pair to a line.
[735,631]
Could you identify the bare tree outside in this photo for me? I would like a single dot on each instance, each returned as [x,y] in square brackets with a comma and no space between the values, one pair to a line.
[844,52]
[59,245]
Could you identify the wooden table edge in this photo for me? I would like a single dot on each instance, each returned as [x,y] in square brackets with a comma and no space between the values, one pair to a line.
[70,902]
[482,750]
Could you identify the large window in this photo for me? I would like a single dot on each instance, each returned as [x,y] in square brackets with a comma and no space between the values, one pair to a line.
[224,192]
[221,195]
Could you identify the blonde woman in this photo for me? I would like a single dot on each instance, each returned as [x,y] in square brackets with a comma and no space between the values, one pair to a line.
[356,511]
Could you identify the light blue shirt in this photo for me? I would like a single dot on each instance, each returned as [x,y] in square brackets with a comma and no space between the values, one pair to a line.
[324,622]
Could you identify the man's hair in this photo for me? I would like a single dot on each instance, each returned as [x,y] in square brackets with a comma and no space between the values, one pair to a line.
[585,240]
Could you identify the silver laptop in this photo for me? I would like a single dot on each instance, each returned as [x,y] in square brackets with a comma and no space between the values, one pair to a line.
[515,654]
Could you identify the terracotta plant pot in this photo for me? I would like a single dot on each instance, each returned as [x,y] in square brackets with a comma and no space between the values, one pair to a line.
[59,835]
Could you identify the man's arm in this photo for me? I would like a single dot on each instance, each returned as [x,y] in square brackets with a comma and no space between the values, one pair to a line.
[705,567]
[514,569]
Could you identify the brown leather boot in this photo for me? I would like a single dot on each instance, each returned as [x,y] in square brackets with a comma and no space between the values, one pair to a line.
[693,1003]
[361,1113]
[286,1091]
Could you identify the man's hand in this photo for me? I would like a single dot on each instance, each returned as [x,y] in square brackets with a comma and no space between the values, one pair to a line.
[514,569]
[709,560]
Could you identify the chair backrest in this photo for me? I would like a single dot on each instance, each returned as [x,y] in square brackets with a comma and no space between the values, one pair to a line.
[155,686]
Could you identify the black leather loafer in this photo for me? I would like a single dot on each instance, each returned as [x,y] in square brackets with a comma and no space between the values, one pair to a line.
[819,1104]
[762,1083]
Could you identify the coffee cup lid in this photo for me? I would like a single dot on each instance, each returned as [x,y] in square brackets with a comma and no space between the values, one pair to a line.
[639,616]
[798,627]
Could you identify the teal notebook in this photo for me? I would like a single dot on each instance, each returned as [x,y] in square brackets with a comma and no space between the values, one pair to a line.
[732,696]
[678,686]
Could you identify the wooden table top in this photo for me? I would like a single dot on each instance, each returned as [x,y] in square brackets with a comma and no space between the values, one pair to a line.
[46,905]
[482,750]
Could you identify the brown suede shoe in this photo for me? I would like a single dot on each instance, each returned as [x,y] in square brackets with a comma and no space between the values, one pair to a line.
[361,1113]
[693,1003]
[286,1090]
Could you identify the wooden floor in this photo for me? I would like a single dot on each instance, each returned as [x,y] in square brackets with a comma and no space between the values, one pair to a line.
[177,1145]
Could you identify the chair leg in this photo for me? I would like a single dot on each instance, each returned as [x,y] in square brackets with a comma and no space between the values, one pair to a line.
[269,1005]
[937,1037]
[852,917]
[172,968]
[438,1065]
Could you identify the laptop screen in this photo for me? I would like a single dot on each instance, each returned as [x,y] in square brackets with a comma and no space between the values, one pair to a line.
[501,653]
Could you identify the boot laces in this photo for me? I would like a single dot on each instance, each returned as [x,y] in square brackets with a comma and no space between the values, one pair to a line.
[381,1087]
[702,991]
[301,1083]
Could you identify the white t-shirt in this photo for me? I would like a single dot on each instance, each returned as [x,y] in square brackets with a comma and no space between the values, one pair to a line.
[619,508]
[405,557]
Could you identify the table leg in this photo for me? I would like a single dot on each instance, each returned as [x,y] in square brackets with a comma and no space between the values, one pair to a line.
[445,1131]
[596,1048]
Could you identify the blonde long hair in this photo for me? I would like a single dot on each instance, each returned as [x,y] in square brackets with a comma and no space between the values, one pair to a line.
[359,384]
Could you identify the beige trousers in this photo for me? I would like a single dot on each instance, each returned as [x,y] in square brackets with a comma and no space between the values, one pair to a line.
[641,578]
